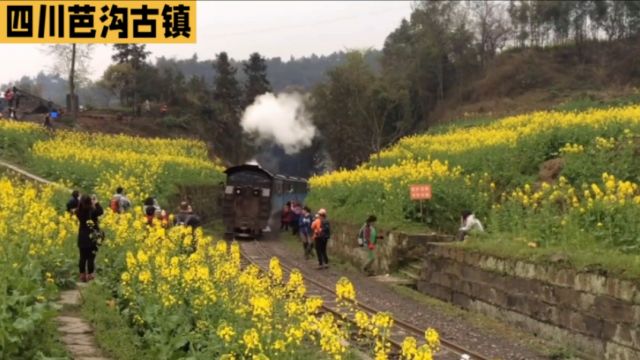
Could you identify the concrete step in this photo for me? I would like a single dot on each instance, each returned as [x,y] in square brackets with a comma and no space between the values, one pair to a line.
[410,274]
[415,266]
[397,280]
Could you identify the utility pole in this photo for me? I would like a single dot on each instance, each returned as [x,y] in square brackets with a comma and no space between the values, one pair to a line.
[72,84]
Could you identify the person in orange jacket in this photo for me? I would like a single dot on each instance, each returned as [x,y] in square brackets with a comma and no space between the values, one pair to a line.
[321,235]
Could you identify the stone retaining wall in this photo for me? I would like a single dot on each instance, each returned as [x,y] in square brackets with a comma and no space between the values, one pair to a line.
[395,250]
[596,314]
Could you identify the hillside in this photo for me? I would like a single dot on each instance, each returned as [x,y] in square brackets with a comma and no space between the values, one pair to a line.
[522,80]
[543,183]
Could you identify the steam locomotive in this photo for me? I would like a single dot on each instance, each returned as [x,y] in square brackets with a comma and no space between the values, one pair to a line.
[253,196]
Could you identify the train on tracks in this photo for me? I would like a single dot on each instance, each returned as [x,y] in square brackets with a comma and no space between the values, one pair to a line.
[253,197]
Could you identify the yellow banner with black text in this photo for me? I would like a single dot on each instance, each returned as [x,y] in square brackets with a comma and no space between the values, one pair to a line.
[95,22]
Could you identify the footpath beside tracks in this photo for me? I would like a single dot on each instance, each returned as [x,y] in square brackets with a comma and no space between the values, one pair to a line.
[254,252]
[75,333]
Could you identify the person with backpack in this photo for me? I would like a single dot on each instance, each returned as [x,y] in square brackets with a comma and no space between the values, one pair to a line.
[119,202]
[89,210]
[468,222]
[74,201]
[304,231]
[321,235]
[368,237]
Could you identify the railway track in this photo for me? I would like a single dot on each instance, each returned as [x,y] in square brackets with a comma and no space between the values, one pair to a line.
[255,253]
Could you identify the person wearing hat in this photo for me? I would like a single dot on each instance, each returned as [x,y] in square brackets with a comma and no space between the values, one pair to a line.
[369,235]
[321,234]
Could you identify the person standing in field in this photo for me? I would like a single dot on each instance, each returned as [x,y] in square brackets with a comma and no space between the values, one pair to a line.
[47,123]
[89,210]
[369,236]
[9,96]
[468,223]
[304,231]
[321,235]
[74,201]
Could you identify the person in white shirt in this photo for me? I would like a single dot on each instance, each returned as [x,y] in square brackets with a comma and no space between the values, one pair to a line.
[469,222]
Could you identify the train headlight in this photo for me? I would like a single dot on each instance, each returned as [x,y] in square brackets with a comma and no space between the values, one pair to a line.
[238,191]
[256,192]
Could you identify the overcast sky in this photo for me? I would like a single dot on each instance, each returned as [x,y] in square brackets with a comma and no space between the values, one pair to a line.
[273,28]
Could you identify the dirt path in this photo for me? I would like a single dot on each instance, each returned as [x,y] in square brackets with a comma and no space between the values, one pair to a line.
[25,173]
[76,333]
[472,331]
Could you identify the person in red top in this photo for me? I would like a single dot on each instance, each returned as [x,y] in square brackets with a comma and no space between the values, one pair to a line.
[285,218]
[9,96]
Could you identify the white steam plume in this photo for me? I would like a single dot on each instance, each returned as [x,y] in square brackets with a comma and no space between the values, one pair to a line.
[281,119]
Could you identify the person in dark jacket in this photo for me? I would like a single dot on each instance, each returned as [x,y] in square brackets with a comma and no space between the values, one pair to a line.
[304,230]
[72,204]
[89,210]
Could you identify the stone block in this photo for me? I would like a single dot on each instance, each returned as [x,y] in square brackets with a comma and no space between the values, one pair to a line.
[488,294]
[582,323]
[613,309]
[592,347]
[562,277]
[437,291]
[565,297]
[473,274]
[461,300]
[619,352]
[623,334]
[625,290]
[70,297]
[591,283]
[525,270]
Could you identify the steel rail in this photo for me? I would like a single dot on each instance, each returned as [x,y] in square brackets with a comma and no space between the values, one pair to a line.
[403,325]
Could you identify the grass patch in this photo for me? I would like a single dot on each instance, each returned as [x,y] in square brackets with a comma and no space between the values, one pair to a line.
[581,255]
[50,347]
[113,334]
[587,101]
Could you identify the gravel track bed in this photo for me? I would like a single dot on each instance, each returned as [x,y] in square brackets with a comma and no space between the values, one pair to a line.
[383,297]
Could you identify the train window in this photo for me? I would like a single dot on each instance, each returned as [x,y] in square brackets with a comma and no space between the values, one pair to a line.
[228,190]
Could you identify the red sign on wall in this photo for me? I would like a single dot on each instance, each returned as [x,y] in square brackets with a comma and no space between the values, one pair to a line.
[420,191]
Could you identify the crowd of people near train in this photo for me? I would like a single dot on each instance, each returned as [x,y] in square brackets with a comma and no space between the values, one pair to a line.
[88,210]
[314,232]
